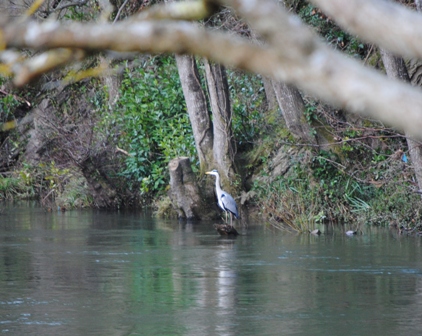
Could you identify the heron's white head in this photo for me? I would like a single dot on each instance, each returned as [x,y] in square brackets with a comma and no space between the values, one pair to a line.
[212,172]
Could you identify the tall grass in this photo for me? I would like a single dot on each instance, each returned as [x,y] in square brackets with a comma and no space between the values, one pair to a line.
[14,188]
[289,205]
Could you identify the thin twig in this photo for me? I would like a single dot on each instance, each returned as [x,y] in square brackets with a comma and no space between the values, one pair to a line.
[119,11]
[16,97]
[77,3]
[369,54]
[123,151]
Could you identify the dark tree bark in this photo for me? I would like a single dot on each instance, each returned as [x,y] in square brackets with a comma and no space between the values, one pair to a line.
[396,68]
[223,144]
[197,109]
[292,106]
[185,193]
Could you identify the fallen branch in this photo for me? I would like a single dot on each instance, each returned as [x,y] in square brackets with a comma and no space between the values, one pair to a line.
[16,97]
[123,151]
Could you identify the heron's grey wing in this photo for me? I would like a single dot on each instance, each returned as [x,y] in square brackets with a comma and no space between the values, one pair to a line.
[229,204]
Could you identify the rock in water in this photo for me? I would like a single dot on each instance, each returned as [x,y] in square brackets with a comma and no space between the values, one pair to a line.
[226,230]
[316,232]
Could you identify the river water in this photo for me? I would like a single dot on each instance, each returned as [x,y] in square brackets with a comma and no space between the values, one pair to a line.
[104,273]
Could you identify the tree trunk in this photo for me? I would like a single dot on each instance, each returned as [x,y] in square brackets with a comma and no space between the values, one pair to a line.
[396,68]
[197,109]
[185,193]
[293,108]
[223,145]
[269,93]
[214,140]
[290,102]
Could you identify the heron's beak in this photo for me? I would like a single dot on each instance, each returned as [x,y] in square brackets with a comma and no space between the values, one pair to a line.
[208,173]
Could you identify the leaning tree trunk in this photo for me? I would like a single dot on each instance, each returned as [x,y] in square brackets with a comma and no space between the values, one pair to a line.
[269,93]
[290,102]
[396,68]
[223,145]
[293,107]
[197,109]
[185,193]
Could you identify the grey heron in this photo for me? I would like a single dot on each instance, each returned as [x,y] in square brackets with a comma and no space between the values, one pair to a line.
[225,201]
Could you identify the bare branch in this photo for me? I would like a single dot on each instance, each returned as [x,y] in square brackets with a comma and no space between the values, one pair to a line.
[184,10]
[150,36]
[385,23]
[42,63]
[22,100]
[293,54]
[34,7]
[328,74]
[71,4]
[122,151]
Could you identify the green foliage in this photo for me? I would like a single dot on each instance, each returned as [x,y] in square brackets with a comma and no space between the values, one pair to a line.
[288,204]
[53,184]
[152,124]
[394,203]
[74,194]
[164,208]
[324,190]
[8,104]
[83,12]
[394,200]
[338,187]
[312,194]
[331,32]
[17,186]
[247,96]
[13,188]
[53,175]
[310,113]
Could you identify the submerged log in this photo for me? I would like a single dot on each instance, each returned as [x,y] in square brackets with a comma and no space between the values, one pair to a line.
[226,230]
[185,193]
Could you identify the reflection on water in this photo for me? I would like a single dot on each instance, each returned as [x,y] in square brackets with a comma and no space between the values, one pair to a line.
[103,273]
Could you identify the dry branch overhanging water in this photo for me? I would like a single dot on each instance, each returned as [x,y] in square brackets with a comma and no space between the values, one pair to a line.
[302,59]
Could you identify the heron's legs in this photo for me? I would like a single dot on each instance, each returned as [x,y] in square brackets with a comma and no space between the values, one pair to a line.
[231,217]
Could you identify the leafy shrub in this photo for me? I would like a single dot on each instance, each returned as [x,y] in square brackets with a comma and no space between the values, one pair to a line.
[247,97]
[334,35]
[75,194]
[54,185]
[8,105]
[151,122]
[11,187]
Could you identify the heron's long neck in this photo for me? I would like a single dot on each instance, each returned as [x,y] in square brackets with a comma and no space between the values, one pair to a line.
[217,182]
